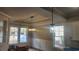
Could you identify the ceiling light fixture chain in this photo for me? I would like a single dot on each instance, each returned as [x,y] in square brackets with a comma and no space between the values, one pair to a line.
[52,15]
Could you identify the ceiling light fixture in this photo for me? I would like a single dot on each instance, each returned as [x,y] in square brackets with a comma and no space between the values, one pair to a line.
[32,17]
[52,16]
[32,29]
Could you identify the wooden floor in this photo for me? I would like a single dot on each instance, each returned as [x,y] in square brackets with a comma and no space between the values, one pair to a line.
[32,49]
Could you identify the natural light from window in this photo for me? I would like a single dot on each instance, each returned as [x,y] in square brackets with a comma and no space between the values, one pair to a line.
[58,34]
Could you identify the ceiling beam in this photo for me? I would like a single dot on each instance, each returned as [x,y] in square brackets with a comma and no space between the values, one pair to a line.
[41,21]
[4,14]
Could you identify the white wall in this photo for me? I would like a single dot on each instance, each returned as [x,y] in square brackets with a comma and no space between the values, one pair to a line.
[71,29]
[72,32]
[43,39]
[57,19]
[75,30]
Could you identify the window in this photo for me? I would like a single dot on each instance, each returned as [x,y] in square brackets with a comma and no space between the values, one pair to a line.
[23,33]
[1,31]
[13,39]
[58,36]
[17,35]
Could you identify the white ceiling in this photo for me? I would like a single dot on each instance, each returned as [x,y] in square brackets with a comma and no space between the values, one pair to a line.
[67,12]
[24,14]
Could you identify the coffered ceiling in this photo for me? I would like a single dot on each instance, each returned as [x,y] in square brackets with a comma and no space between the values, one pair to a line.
[37,16]
[26,14]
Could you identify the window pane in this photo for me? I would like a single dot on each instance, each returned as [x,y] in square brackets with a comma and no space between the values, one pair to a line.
[13,39]
[59,36]
[58,42]
[59,33]
[23,33]
[1,36]
[1,31]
